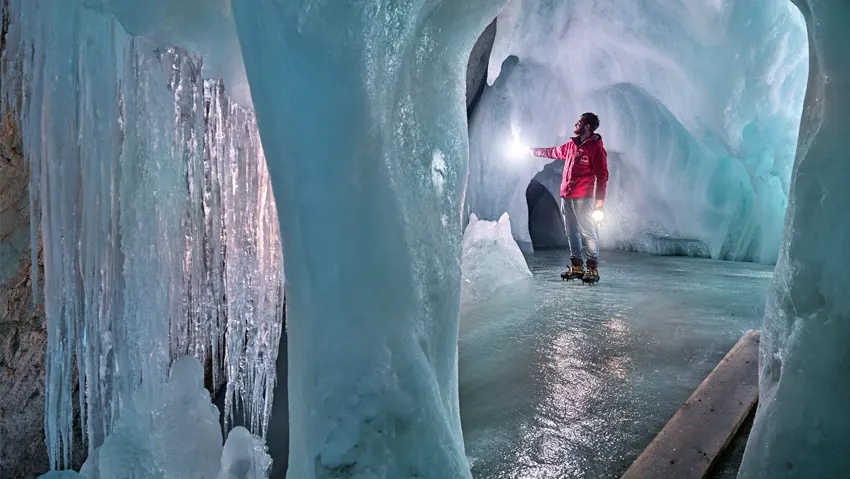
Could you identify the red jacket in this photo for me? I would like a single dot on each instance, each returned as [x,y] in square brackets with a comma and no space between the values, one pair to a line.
[586,164]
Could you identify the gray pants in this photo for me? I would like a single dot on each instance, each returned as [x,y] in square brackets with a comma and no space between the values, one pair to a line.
[578,222]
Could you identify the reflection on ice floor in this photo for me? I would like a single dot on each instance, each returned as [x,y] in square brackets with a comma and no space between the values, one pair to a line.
[564,380]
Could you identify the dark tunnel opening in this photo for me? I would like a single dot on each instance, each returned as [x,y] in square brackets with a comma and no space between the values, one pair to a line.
[545,225]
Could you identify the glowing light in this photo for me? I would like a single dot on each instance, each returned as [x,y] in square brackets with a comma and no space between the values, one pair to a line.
[517,149]
[598,216]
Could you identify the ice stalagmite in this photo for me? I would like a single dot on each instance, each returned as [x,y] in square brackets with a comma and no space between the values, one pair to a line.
[369,177]
[491,259]
[802,428]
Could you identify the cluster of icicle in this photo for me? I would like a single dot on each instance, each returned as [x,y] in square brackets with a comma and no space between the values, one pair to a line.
[150,192]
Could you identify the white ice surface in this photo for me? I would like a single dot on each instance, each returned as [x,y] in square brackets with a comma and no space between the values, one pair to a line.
[491,259]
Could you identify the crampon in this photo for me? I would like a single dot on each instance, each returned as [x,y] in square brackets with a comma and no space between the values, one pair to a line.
[592,274]
[575,272]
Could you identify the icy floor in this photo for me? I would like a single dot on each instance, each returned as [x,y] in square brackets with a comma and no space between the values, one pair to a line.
[563,380]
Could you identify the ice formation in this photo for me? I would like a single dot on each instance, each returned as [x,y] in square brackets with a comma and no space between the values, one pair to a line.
[202,26]
[498,175]
[491,259]
[802,428]
[699,101]
[244,456]
[156,216]
[176,434]
[369,185]
[369,182]
[370,222]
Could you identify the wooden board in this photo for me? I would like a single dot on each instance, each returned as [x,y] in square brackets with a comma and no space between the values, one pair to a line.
[702,428]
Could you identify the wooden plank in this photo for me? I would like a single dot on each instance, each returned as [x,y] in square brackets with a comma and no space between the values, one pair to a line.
[701,429]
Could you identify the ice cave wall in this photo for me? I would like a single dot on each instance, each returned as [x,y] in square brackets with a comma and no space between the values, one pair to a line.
[803,349]
[221,137]
[802,428]
[700,107]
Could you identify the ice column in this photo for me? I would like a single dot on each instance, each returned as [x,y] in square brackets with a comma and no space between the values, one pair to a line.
[802,428]
[361,110]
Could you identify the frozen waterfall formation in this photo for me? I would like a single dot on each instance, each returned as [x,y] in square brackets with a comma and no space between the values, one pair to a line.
[360,107]
[700,105]
[368,178]
[150,194]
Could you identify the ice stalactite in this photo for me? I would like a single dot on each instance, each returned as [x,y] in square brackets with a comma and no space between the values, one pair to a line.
[802,428]
[159,226]
[251,282]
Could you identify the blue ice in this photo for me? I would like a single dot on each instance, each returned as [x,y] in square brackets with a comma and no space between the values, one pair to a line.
[360,107]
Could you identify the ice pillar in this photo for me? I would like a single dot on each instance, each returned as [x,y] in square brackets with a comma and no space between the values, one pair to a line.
[802,428]
[361,111]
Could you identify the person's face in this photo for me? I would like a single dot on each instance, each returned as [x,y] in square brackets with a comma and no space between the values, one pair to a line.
[580,127]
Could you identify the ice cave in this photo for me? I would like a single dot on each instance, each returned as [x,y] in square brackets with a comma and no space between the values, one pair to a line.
[248,239]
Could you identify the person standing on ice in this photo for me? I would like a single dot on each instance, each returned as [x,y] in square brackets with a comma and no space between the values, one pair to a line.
[585,167]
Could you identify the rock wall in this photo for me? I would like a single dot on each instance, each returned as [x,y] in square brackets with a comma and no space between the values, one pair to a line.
[23,334]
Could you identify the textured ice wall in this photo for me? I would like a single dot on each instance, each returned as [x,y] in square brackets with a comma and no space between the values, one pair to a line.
[201,26]
[491,259]
[802,428]
[699,101]
[369,178]
[498,177]
[157,216]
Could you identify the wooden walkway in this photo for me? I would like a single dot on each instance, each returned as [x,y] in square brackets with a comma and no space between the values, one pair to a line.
[701,429]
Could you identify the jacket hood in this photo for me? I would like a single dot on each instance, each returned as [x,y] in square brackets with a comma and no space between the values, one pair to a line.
[596,137]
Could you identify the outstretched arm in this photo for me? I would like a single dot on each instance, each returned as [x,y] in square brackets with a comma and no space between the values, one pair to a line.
[554,153]
[600,170]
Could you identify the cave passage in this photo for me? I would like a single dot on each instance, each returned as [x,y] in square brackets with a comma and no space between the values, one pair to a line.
[545,224]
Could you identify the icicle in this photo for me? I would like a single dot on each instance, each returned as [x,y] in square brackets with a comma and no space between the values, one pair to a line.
[254,261]
[213,218]
[54,158]
[99,253]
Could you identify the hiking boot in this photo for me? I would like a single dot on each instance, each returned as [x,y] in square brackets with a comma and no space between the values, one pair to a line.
[575,272]
[592,274]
